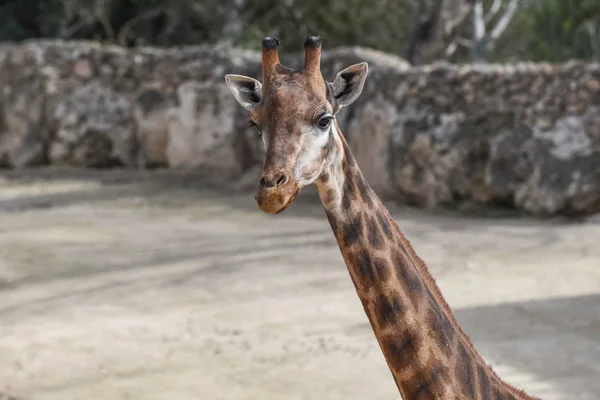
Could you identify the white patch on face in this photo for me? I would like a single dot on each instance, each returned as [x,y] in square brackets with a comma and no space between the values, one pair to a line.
[313,141]
[331,192]
[263,137]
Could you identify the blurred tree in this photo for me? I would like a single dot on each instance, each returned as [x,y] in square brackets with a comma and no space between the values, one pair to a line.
[435,27]
[559,30]
[375,23]
[127,22]
[489,21]
[421,30]
[380,24]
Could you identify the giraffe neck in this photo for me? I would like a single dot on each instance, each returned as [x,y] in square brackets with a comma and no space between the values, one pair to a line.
[425,349]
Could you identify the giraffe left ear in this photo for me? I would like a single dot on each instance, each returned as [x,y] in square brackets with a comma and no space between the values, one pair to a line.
[348,84]
[247,91]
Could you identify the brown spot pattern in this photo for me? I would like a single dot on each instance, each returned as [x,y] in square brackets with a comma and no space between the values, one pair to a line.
[484,381]
[352,230]
[330,194]
[382,270]
[465,371]
[385,226]
[365,193]
[407,274]
[402,349]
[365,270]
[346,200]
[388,309]
[441,329]
[427,383]
[376,239]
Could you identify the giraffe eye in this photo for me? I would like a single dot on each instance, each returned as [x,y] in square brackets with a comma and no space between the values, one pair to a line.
[324,122]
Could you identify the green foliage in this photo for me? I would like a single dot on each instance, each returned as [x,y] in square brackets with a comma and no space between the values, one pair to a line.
[555,31]
[552,30]
[127,22]
[381,24]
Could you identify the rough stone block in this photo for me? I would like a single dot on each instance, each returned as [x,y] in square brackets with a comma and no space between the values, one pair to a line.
[524,135]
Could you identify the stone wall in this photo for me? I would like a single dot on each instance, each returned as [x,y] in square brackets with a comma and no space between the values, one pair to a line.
[524,135]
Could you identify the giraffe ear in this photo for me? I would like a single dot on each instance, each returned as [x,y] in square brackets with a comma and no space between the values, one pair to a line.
[247,91]
[348,84]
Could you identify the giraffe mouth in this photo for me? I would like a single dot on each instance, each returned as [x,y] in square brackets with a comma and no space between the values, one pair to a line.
[275,201]
[285,206]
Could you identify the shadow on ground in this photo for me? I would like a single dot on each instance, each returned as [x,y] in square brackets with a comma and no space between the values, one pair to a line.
[556,340]
[108,271]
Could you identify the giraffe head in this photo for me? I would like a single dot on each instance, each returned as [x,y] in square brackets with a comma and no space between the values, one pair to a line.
[294,112]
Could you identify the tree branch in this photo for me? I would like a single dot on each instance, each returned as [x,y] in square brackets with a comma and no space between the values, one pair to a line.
[464,42]
[100,12]
[478,22]
[451,49]
[493,10]
[124,32]
[502,24]
[436,24]
[86,20]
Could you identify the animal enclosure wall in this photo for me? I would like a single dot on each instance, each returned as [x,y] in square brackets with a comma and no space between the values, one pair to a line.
[524,135]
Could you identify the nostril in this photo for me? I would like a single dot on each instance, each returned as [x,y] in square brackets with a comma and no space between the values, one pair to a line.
[282,180]
[263,183]
[271,181]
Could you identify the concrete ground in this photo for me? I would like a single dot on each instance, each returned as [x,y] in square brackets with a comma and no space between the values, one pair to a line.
[150,287]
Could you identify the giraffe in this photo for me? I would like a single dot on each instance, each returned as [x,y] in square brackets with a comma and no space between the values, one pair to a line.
[294,111]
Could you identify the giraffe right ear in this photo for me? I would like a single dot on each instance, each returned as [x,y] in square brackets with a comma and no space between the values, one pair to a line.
[247,91]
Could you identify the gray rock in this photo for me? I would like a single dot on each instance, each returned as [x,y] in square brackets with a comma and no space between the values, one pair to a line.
[150,113]
[523,135]
[93,127]
[202,128]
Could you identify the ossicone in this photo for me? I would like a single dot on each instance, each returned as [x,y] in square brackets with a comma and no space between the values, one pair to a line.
[270,57]
[312,54]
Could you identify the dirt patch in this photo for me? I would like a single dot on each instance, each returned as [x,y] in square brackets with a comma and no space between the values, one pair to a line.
[152,286]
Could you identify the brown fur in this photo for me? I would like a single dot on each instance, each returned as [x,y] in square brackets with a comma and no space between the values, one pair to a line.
[498,388]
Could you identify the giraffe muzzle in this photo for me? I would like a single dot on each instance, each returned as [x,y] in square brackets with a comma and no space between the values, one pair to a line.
[275,192]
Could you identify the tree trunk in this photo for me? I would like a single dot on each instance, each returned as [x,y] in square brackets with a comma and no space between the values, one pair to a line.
[435,27]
